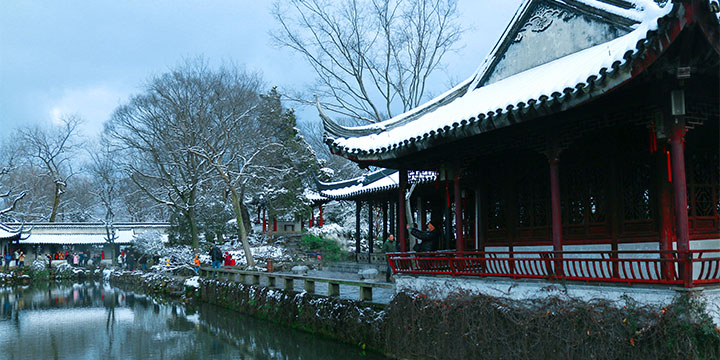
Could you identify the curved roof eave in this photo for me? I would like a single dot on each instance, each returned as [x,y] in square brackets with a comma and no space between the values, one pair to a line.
[616,70]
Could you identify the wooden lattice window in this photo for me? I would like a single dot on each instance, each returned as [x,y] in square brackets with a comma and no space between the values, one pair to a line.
[702,169]
[496,209]
[636,193]
[637,184]
[533,200]
[584,192]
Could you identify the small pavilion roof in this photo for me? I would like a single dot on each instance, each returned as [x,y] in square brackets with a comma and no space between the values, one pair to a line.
[373,182]
[472,108]
[7,233]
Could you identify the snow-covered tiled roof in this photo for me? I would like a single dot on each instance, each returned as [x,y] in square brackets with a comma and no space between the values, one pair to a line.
[372,182]
[314,196]
[123,237]
[84,233]
[7,233]
[465,110]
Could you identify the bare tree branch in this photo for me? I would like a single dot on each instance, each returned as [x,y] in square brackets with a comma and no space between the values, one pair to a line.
[371,56]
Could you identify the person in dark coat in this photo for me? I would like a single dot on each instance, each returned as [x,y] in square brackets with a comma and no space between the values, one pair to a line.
[216,257]
[389,246]
[427,240]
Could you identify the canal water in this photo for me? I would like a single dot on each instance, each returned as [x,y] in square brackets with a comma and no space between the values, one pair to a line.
[92,321]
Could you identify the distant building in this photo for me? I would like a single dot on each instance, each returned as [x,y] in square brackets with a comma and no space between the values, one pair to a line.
[51,237]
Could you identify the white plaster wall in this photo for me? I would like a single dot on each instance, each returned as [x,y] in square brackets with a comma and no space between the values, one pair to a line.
[566,34]
[439,287]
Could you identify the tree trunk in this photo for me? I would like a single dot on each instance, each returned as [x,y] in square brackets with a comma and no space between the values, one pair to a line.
[242,234]
[193,227]
[56,202]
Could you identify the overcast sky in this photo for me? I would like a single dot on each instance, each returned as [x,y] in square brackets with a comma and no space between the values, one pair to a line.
[87,57]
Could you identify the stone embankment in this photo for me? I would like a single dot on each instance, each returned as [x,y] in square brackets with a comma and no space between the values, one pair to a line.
[151,283]
[463,325]
[350,321]
[38,271]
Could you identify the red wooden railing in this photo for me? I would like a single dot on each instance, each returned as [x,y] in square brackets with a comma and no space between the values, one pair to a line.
[649,267]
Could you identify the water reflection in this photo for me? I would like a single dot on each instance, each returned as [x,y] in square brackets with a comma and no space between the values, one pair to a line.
[90,321]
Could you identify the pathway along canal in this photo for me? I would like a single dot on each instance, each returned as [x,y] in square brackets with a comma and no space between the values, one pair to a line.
[95,321]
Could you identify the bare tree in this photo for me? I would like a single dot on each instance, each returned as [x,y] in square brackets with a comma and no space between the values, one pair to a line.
[229,146]
[9,196]
[370,56]
[106,177]
[153,132]
[52,151]
[253,149]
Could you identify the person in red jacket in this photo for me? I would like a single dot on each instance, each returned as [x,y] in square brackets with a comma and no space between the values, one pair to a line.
[228,259]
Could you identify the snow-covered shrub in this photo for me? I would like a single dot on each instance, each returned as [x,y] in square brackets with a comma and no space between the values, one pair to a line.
[38,265]
[149,242]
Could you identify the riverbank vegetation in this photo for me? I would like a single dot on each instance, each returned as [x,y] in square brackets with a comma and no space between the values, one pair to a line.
[468,326]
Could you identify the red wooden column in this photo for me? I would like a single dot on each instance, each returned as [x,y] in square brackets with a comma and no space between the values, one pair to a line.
[321,216]
[554,159]
[274,224]
[264,220]
[402,223]
[459,246]
[665,209]
[680,199]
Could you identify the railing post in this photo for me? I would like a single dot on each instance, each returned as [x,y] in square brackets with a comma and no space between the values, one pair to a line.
[271,281]
[310,286]
[451,261]
[289,284]
[366,293]
[333,289]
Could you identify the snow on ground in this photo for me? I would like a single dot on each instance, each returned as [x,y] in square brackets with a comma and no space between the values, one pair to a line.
[193,282]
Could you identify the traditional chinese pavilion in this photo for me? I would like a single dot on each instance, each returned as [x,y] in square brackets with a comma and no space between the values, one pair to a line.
[585,147]
[379,190]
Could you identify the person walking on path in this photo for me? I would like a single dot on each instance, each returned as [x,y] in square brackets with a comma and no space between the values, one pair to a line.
[216,257]
[21,259]
[143,262]
[196,264]
[390,245]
